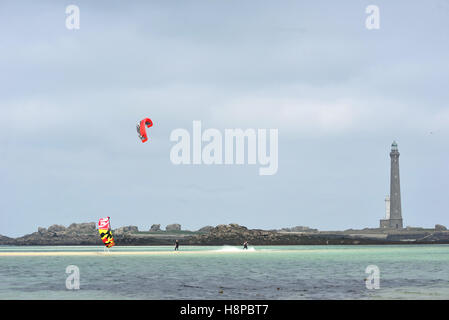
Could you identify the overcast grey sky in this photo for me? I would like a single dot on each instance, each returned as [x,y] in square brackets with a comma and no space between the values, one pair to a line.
[338,93]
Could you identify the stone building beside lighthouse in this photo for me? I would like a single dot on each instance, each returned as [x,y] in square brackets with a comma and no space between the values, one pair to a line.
[393,212]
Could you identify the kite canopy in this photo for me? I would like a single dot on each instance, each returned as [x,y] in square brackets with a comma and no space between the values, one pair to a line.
[141,130]
[104,228]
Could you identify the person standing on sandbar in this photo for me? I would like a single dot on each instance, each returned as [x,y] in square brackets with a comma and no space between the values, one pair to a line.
[176,245]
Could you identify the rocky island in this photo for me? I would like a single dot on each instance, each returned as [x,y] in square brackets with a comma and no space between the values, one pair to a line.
[230,234]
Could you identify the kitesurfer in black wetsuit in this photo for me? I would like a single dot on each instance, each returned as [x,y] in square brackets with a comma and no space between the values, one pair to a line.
[176,245]
[245,245]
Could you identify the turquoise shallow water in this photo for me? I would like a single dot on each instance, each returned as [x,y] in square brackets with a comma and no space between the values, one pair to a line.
[263,272]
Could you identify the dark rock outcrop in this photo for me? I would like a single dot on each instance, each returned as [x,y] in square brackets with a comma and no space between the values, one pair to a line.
[155,228]
[56,228]
[234,234]
[439,227]
[4,240]
[206,229]
[82,227]
[127,229]
[173,227]
[75,234]
[231,234]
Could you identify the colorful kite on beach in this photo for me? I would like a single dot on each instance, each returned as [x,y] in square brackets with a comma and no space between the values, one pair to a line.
[104,227]
[141,130]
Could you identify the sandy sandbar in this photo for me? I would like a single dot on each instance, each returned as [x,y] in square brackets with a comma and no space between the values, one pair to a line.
[111,253]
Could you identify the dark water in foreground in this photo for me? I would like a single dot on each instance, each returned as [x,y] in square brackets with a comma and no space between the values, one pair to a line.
[265,272]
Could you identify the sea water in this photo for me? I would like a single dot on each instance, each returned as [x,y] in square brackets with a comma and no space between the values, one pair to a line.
[228,272]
